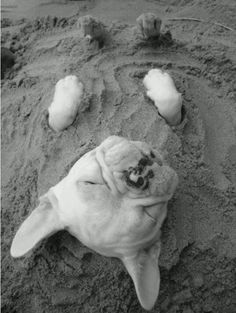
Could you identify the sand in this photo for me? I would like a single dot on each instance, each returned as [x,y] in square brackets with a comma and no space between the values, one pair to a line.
[198,258]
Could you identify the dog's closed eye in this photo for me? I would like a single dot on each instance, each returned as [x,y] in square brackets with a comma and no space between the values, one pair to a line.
[145,161]
[157,159]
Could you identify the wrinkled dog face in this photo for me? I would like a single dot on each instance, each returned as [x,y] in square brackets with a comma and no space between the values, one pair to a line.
[140,169]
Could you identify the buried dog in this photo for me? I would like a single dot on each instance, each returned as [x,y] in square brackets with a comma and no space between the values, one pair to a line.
[114,201]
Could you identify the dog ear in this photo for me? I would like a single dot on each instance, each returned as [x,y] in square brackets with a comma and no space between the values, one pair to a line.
[144,271]
[41,223]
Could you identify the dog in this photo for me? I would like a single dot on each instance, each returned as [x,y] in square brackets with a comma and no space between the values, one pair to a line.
[114,200]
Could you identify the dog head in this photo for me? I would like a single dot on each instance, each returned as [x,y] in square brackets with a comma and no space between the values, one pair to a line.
[135,167]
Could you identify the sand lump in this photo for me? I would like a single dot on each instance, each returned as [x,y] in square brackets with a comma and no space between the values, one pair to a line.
[149,25]
[91,28]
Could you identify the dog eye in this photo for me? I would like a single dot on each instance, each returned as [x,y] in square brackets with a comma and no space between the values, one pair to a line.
[145,161]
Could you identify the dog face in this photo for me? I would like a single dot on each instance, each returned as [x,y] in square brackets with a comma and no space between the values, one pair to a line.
[140,170]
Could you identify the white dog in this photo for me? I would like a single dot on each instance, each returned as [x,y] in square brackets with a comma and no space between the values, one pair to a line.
[114,201]
[162,91]
[65,104]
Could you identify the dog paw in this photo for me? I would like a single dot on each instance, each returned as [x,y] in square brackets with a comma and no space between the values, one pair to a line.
[162,91]
[65,104]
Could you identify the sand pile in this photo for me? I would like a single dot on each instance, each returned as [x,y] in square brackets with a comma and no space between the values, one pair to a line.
[199,236]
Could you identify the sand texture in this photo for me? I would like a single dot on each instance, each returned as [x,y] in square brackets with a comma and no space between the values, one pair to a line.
[198,258]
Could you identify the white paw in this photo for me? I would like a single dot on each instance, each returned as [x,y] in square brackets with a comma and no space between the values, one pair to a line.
[149,25]
[65,104]
[162,91]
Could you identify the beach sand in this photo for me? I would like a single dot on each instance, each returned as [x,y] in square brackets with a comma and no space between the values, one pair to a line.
[198,258]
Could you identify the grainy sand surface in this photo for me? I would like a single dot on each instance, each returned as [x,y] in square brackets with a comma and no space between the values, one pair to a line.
[199,236]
